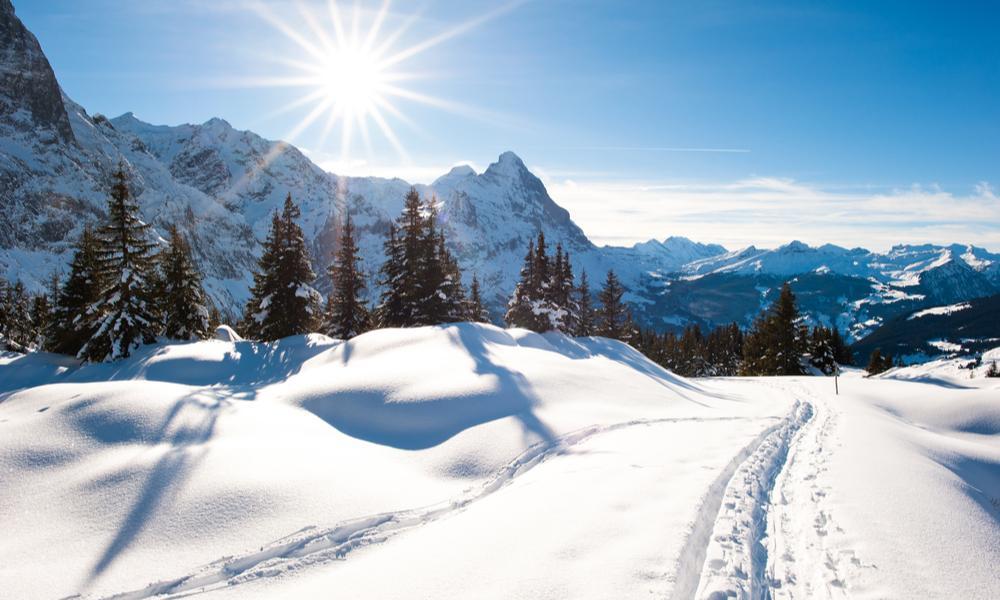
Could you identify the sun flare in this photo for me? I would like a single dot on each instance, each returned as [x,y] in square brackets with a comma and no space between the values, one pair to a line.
[352,79]
[353,73]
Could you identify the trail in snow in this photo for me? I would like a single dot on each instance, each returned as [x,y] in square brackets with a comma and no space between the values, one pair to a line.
[688,570]
[312,545]
[802,563]
[734,557]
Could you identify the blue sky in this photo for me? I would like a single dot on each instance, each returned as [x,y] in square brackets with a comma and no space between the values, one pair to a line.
[860,123]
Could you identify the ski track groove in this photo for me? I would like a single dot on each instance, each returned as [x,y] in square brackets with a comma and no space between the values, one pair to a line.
[804,560]
[758,462]
[312,545]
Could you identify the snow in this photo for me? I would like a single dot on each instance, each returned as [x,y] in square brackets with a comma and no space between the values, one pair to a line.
[467,461]
[939,310]
[225,333]
[945,345]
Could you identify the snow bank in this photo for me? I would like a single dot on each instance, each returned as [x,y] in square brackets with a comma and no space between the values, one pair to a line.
[467,461]
[152,468]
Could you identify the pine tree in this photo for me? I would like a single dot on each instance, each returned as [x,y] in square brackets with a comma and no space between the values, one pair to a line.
[630,333]
[16,328]
[41,316]
[876,364]
[841,352]
[422,282]
[69,328]
[123,317]
[520,309]
[992,370]
[346,315]
[775,343]
[785,333]
[563,308]
[416,251]
[451,291]
[611,315]
[476,311]
[183,305]
[282,301]
[584,309]
[543,299]
[821,349]
[389,312]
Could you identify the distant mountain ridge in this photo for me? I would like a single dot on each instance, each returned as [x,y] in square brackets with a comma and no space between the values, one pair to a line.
[220,185]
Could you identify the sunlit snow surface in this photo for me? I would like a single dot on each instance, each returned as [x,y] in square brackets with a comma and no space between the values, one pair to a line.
[472,462]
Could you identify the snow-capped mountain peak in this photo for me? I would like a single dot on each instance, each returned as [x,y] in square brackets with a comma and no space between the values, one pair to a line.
[453,176]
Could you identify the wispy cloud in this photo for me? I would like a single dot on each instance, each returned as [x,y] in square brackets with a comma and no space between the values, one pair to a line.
[770,211]
[657,149]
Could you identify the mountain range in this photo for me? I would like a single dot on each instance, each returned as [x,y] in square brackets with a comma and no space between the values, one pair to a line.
[220,186]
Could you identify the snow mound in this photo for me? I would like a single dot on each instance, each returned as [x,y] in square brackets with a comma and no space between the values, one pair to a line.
[225,333]
[146,469]
[960,371]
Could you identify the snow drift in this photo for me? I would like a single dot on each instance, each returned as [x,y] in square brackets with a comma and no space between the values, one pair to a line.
[469,461]
[198,450]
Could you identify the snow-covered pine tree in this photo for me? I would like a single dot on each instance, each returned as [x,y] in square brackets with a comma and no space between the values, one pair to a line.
[542,300]
[41,315]
[476,310]
[389,312]
[183,305]
[611,315]
[430,304]
[283,301]
[346,315]
[451,290]
[992,370]
[520,310]
[584,308]
[16,328]
[540,272]
[563,307]
[69,328]
[631,333]
[123,317]
[416,250]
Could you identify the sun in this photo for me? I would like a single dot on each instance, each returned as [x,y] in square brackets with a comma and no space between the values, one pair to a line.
[352,79]
[352,72]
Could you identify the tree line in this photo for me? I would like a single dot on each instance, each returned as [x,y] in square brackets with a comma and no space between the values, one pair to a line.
[121,292]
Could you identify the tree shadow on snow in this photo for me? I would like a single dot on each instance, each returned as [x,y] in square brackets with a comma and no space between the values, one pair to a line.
[187,436]
[373,415]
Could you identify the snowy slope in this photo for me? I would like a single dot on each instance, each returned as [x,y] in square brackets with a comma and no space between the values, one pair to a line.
[199,451]
[469,461]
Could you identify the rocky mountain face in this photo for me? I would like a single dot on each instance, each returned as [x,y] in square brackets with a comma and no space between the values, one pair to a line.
[220,186]
[29,93]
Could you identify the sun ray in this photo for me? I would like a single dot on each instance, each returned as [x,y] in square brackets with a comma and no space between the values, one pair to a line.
[338,24]
[376,26]
[451,33]
[353,72]
[288,31]
[313,24]
[389,134]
